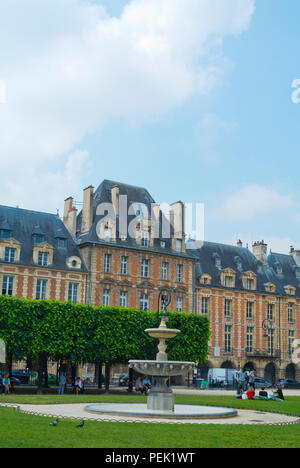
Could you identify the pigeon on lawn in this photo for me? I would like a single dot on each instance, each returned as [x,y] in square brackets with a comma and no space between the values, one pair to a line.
[80,425]
[54,423]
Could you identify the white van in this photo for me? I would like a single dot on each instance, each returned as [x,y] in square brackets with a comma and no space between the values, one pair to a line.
[227,376]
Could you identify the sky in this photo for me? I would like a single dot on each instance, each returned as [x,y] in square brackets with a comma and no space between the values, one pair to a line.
[196,100]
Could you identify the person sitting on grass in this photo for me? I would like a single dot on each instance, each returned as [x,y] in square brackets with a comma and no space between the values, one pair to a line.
[250,393]
[263,393]
[278,393]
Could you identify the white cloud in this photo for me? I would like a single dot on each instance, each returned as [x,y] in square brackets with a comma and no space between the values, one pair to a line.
[253,200]
[70,67]
[47,190]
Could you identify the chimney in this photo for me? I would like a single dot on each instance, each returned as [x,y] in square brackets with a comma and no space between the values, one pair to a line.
[70,216]
[295,254]
[67,208]
[260,250]
[177,215]
[239,243]
[87,210]
[115,192]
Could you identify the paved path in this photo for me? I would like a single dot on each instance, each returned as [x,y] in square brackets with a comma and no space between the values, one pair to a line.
[76,411]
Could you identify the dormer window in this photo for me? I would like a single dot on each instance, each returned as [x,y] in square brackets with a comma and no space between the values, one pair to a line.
[217,260]
[43,258]
[228,282]
[38,238]
[270,287]
[10,254]
[145,239]
[61,243]
[5,234]
[238,263]
[278,268]
[290,290]
[249,280]
[205,279]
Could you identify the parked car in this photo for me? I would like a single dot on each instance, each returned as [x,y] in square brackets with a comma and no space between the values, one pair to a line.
[123,380]
[288,383]
[22,374]
[262,383]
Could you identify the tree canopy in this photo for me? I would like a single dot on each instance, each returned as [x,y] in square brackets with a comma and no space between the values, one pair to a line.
[82,333]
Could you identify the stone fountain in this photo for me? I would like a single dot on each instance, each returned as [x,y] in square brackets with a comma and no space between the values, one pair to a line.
[160,401]
[161,397]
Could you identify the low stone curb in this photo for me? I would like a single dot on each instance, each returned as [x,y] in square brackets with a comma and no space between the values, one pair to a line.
[144,421]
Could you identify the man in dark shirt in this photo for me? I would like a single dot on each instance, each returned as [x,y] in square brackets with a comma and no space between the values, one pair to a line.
[263,393]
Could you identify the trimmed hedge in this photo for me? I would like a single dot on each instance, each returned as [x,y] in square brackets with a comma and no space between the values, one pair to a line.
[82,333]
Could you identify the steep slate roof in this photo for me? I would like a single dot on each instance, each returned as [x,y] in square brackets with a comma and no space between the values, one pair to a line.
[135,195]
[230,257]
[25,223]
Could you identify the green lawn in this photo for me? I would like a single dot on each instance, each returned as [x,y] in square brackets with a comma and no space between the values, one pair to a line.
[21,430]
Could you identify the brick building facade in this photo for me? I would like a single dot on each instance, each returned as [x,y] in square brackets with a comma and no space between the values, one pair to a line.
[100,257]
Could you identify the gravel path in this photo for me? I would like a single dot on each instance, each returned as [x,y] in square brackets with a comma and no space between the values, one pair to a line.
[76,411]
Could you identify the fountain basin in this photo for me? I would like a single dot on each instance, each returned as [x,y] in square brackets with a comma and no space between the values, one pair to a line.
[162,333]
[161,368]
[180,411]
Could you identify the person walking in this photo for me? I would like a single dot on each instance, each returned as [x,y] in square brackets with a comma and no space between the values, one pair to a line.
[252,379]
[6,384]
[62,384]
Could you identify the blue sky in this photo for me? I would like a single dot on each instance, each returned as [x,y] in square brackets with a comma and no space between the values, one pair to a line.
[233,146]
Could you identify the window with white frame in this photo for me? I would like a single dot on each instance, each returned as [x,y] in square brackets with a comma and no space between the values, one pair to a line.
[179,304]
[249,314]
[250,284]
[7,285]
[144,302]
[204,305]
[270,311]
[228,282]
[145,268]
[10,254]
[227,307]
[291,342]
[41,289]
[179,273]
[227,337]
[107,259]
[106,297]
[124,262]
[290,312]
[249,338]
[73,292]
[271,341]
[145,238]
[123,298]
[164,270]
[43,258]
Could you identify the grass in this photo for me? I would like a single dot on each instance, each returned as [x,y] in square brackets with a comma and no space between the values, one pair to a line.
[21,430]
